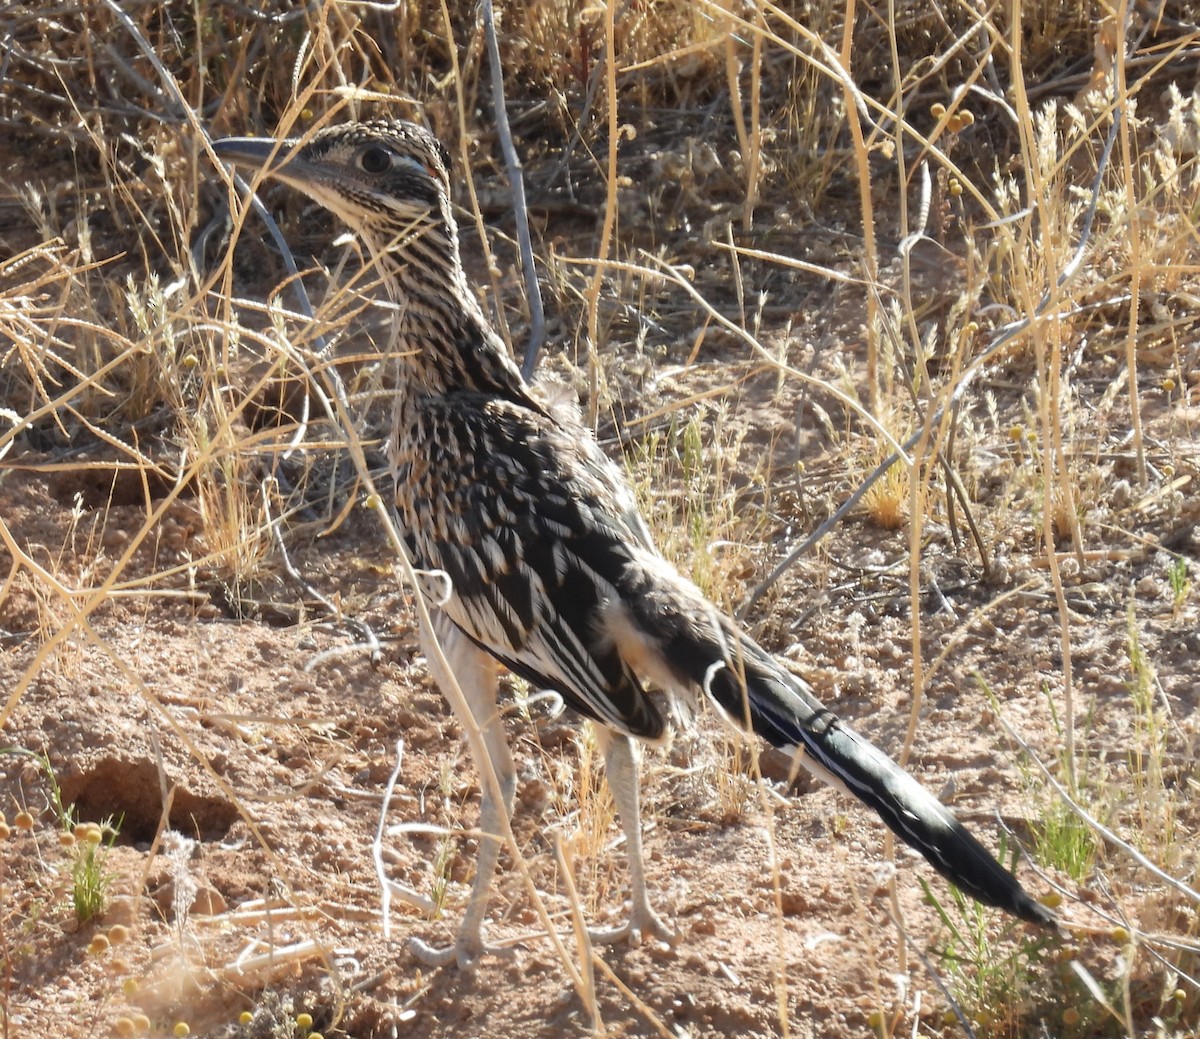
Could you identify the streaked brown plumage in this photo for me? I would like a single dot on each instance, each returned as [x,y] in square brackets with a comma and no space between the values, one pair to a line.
[550,569]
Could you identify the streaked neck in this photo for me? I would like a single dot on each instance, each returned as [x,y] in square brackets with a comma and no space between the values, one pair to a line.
[444,342]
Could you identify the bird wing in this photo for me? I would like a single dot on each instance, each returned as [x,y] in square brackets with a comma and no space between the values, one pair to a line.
[534,529]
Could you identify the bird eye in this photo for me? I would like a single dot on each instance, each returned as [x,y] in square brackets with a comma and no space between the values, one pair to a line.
[376,160]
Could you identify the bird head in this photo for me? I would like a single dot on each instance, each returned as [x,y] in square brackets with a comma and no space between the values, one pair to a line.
[385,179]
[388,181]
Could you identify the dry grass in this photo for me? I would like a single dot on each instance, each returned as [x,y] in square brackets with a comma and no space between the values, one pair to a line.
[780,244]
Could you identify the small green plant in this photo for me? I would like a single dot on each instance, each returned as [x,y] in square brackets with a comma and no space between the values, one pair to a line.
[1180,581]
[997,983]
[1064,840]
[90,879]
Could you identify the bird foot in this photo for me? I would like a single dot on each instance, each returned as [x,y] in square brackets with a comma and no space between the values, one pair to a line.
[643,921]
[466,953]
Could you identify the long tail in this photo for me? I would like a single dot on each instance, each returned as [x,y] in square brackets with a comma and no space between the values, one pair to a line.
[782,709]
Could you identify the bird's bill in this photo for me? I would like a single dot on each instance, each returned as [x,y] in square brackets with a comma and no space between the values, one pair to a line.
[258,153]
[280,160]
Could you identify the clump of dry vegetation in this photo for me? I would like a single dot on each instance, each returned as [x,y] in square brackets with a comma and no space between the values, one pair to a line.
[923,262]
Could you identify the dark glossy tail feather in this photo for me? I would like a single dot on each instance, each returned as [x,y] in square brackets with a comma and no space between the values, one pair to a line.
[783,711]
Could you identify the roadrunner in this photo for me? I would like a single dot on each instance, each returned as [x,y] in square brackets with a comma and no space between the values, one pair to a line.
[546,566]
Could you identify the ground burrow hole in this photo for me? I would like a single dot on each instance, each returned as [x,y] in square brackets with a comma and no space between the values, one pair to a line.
[129,793]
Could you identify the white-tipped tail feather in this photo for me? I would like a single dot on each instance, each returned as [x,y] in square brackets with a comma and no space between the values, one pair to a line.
[754,690]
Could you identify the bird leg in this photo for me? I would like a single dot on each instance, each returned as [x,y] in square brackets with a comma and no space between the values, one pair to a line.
[621,766]
[476,674]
